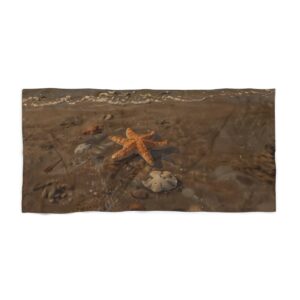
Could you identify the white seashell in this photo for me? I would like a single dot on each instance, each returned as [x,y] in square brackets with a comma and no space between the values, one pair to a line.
[160,181]
[81,148]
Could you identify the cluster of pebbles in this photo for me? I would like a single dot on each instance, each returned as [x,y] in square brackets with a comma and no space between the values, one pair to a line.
[57,193]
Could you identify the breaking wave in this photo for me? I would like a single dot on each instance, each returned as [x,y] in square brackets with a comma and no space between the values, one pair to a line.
[141,97]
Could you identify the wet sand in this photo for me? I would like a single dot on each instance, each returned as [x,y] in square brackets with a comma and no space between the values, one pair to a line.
[221,150]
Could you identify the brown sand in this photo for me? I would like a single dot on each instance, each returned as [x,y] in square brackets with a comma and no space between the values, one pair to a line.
[221,151]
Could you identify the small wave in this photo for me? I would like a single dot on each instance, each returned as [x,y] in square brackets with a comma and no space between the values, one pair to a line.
[137,97]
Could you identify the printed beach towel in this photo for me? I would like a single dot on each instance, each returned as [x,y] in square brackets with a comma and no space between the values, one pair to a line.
[105,150]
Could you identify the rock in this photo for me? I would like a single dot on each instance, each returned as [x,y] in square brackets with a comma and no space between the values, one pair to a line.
[189,193]
[97,139]
[108,117]
[57,193]
[164,122]
[81,148]
[160,181]
[93,129]
[139,194]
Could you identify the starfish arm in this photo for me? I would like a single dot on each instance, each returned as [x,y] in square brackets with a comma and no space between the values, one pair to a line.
[124,152]
[119,140]
[144,153]
[148,135]
[137,142]
[155,144]
[131,134]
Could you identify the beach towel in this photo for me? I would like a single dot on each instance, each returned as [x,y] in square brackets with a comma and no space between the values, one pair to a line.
[124,150]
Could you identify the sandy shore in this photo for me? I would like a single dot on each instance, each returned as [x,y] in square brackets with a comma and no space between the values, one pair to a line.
[221,150]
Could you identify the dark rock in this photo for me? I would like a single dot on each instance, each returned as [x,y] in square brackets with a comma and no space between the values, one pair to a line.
[164,122]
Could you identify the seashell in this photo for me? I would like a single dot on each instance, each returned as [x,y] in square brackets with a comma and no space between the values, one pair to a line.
[108,117]
[160,181]
[81,148]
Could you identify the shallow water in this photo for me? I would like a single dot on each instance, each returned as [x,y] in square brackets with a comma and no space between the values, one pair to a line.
[221,150]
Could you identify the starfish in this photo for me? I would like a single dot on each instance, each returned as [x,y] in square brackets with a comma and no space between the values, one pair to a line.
[140,143]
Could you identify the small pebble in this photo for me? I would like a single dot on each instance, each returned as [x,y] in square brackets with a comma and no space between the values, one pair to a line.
[81,148]
[108,117]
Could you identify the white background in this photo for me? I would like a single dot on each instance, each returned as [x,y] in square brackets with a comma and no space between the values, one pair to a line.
[160,45]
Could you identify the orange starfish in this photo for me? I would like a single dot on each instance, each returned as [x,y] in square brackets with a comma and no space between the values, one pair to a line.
[139,143]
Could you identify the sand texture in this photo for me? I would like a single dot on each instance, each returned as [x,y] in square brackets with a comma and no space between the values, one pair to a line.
[220,153]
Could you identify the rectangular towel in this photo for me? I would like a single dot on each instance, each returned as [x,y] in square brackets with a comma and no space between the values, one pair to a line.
[105,150]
